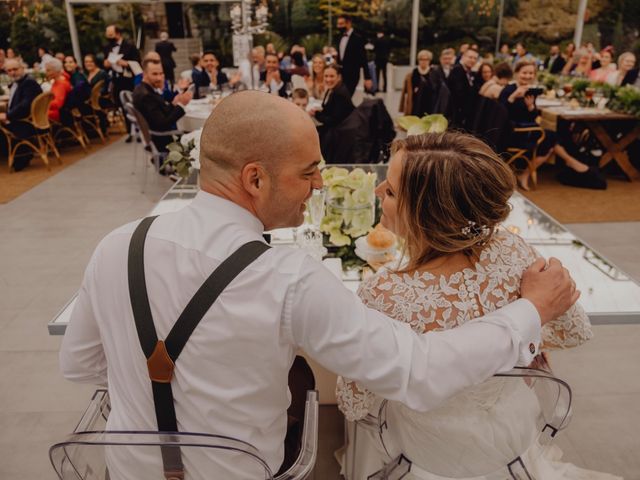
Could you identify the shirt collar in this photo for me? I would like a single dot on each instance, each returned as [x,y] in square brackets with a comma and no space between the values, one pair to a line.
[215,205]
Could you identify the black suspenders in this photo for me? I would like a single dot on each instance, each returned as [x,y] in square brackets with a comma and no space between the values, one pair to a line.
[162,355]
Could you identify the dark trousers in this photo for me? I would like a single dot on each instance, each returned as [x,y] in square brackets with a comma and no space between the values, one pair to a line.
[301,379]
[381,68]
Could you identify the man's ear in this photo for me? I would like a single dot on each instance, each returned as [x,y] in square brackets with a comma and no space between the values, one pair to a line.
[254,178]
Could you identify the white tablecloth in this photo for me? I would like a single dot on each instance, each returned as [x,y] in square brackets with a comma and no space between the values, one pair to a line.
[197,112]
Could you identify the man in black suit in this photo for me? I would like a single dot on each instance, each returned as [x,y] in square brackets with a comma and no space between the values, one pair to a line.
[160,114]
[210,76]
[22,91]
[555,62]
[274,78]
[165,48]
[464,86]
[120,72]
[381,48]
[351,55]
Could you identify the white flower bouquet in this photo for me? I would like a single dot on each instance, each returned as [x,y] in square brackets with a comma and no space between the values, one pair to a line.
[350,204]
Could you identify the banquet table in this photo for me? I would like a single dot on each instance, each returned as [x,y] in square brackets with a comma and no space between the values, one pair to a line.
[609,296]
[196,113]
[595,119]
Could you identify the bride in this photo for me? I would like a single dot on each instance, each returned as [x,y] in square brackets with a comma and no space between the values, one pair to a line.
[445,196]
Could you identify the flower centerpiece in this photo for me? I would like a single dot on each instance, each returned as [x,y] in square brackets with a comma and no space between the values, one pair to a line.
[413,125]
[350,210]
[184,155]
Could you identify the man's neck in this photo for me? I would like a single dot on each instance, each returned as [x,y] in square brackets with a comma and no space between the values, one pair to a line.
[229,190]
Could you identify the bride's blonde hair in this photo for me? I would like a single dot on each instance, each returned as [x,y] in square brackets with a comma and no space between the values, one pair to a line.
[453,192]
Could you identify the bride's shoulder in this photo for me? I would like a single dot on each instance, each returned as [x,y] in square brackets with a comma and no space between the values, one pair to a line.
[508,248]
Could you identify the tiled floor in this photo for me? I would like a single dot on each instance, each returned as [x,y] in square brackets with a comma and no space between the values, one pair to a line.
[49,233]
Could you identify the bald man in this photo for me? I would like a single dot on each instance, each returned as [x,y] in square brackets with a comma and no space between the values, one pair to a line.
[22,91]
[259,158]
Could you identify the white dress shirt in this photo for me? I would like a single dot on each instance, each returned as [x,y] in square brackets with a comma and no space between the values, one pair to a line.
[343,43]
[231,378]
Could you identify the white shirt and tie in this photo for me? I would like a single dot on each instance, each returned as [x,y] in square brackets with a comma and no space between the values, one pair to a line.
[344,40]
[231,377]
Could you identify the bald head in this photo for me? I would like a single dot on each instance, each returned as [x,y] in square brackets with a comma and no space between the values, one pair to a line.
[252,126]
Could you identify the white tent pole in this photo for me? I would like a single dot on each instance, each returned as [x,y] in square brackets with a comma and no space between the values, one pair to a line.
[74,32]
[499,33]
[415,18]
[577,36]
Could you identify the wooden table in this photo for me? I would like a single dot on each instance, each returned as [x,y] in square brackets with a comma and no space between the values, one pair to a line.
[594,119]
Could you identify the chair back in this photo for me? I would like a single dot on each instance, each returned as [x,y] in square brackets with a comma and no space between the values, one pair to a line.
[126,97]
[138,119]
[40,110]
[91,452]
[96,93]
[496,429]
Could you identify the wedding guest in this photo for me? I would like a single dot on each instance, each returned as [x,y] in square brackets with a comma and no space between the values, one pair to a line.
[464,86]
[211,75]
[315,81]
[76,77]
[461,51]
[452,253]
[447,61]
[579,65]
[160,114]
[521,53]
[381,49]
[259,158]
[554,62]
[196,67]
[300,97]
[606,66]
[11,53]
[120,72]
[94,72]
[3,58]
[493,87]
[299,66]
[258,56]
[60,87]
[485,73]
[504,55]
[336,104]
[352,55]
[275,79]
[424,90]
[22,91]
[270,48]
[569,51]
[521,106]
[60,56]
[165,49]
[625,74]
[44,56]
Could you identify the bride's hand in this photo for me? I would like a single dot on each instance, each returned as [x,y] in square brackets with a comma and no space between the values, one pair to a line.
[550,289]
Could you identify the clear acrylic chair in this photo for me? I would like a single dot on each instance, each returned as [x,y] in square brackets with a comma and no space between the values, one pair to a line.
[497,429]
[93,453]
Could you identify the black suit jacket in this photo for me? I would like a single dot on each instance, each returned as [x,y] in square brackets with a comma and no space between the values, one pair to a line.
[355,58]
[159,113]
[463,95]
[128,51]
[557,65]
[165,49]
[20,106]
[201,79]
[285,78]
[335,107]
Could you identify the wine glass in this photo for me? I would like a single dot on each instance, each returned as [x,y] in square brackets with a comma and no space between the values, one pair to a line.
[598,95]
[589,93]
[216,93]
[288,88]
[315,205]
[568,88]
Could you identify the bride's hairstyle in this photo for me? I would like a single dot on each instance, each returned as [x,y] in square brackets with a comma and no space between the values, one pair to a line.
[453,192]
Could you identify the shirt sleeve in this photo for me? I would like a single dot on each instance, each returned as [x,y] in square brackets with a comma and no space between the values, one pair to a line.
[333,327]
[82,357]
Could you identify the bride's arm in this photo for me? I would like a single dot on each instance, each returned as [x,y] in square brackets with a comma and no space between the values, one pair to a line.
[355,401]
[571,329]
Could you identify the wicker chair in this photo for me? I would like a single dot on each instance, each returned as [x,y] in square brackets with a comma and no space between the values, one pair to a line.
[93,119]
[527,153]
[41,142]
[73,131]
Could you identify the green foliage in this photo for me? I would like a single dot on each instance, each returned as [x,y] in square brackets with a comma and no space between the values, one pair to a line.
[279,43]
[413,125]
[627,100]
[313,44]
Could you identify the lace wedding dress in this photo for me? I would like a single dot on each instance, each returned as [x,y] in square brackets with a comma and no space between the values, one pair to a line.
[454,440]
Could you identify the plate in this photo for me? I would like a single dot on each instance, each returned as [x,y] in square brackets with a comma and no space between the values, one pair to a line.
[376,256]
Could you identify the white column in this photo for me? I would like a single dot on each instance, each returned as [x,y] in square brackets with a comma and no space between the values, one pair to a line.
[75,43]
[415,19]
[499,33]
[577,36]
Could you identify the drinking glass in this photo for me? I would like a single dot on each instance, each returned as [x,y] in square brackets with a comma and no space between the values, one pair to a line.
[568,88]
[598,95]
[288,88]
[315,206]
[588,93]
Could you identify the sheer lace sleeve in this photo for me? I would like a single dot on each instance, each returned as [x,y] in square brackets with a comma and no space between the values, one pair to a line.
[355,401]
[571,329]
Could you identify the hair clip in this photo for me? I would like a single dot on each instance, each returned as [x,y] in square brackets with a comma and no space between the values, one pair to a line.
[474,231]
